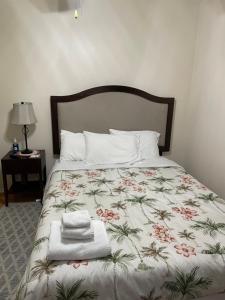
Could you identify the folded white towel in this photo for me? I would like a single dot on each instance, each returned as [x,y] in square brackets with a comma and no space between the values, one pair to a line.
[81,233]
[76,219]
[61,249]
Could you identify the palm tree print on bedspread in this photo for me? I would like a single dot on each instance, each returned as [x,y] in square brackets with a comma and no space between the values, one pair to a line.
[166,230]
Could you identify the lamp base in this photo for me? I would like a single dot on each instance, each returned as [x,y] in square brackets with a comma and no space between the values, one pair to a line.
[26,151]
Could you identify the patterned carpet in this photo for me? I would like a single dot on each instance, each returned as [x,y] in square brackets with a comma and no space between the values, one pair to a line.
[18,224]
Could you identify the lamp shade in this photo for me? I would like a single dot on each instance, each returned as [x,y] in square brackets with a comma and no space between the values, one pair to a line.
[23,114]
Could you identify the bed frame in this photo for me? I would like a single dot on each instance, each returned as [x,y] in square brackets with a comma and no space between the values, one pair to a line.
[113,106]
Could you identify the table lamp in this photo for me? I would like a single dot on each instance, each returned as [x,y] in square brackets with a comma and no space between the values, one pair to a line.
[23,114]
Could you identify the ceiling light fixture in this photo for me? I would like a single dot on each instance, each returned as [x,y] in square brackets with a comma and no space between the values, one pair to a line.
[76,14]
[77,9]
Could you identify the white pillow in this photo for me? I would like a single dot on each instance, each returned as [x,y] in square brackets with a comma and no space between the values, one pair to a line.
[111,149]
[72,146]
[148,142]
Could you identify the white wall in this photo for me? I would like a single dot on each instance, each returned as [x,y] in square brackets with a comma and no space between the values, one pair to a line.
[206,108]
[148,44]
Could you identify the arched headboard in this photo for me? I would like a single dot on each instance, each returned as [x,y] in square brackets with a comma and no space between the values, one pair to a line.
[113,106]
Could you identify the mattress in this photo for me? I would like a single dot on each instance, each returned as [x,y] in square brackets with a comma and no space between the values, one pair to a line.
[166,229]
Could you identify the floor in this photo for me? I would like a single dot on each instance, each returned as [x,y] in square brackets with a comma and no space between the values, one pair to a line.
[11,265]
[16,198]
[17,230]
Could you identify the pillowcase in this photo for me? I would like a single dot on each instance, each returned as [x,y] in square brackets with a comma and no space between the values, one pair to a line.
[111,149]
[148,142]
[72,146]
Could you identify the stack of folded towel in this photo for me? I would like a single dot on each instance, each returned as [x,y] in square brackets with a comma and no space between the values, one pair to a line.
[77,237]
[77,226]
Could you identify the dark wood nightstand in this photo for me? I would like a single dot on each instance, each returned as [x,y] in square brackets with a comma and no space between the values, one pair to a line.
[24,166]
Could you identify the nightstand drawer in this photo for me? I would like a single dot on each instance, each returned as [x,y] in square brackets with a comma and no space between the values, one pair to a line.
[19,166]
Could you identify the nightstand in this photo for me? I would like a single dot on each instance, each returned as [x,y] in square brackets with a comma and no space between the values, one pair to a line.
[24,166]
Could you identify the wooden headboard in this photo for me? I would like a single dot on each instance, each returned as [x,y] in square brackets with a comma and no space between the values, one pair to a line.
[113,106]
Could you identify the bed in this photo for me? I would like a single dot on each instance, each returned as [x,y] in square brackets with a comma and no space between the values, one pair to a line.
[166,229]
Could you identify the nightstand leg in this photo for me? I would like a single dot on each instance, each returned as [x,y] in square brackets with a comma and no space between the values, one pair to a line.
[5,188]
[13,179]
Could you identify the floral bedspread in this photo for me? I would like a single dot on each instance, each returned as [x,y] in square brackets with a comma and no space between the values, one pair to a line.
[167,233]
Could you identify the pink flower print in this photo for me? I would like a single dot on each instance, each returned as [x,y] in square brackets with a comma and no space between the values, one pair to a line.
[138,188]
[93,174]
[127,182]
[78,263]
[189,213]
[187,179]
[65,185]
[72,193]
[185,250]
[162,233]
[99,212]
[149,173]
[107,215]
[186,212]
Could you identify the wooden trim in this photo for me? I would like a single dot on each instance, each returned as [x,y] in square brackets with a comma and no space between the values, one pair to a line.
[169,123]
[104,89]
[55,124]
